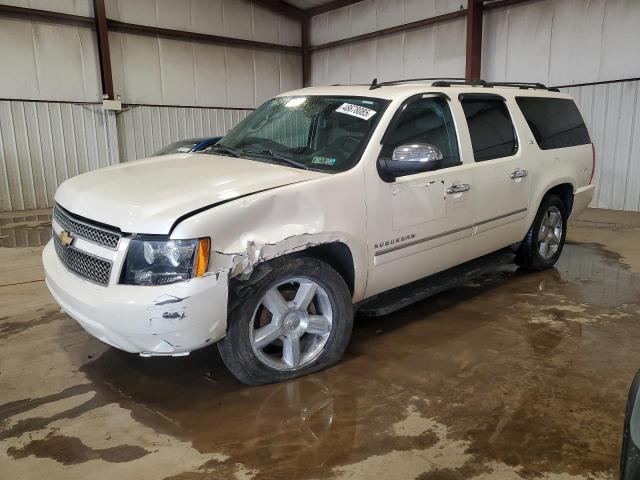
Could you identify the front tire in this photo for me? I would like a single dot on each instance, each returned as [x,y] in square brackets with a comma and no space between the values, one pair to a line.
[544,241]
[293,316]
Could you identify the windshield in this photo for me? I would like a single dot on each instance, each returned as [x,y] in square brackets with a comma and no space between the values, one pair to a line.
[315,132]
[181,146]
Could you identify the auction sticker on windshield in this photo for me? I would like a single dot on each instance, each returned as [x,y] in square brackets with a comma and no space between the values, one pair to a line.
[356,111]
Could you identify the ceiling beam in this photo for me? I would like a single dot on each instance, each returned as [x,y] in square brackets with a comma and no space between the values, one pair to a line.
[283,8]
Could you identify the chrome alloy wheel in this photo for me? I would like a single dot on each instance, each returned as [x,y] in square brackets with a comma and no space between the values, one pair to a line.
[291,324]
[550,233]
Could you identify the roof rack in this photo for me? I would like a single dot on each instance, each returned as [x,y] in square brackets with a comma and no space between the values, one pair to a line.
[375,84]
[450,81]
[482,83]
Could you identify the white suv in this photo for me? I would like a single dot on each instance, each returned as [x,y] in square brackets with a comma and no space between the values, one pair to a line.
[313,207]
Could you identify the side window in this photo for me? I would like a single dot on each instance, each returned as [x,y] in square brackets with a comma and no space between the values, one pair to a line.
[554,122]
[425,120]
[490,127]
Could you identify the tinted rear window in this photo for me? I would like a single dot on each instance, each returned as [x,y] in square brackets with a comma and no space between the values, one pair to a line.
[554,122]
[490,127]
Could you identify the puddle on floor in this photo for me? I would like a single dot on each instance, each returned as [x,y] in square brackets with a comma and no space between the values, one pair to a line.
[25,231]
[514,375]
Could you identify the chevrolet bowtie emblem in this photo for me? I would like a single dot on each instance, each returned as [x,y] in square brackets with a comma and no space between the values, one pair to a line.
[65,238]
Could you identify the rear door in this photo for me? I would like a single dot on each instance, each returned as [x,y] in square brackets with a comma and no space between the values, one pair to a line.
[501,174]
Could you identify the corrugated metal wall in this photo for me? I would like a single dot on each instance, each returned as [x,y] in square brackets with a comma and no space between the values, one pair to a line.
[371,15]
[612,112]
[425,52]
[44,143]
[48,61]
[142,130]
[229,18]
[559,42]
[160,71]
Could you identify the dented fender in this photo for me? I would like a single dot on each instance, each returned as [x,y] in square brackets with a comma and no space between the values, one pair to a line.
[260,227]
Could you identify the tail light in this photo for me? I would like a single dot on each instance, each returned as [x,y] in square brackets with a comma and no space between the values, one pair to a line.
[593,163]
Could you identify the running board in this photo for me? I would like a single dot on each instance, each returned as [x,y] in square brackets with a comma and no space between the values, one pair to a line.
[400,297]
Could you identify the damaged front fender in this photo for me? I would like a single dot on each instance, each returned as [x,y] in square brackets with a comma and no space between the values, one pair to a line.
[293,218]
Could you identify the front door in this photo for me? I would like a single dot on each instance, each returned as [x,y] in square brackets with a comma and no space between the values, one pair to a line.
[419,224]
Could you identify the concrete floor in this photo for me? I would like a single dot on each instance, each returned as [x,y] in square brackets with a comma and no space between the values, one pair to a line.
[516,375]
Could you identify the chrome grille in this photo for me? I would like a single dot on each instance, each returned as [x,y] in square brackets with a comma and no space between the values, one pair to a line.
[86,266]
[93,233]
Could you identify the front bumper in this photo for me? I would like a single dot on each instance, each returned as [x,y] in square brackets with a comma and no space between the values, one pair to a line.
[151,320]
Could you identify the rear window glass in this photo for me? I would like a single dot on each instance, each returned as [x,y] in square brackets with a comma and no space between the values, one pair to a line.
[490,127]
[554,122]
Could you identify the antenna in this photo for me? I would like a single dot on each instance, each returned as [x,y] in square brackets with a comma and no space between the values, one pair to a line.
[374,84]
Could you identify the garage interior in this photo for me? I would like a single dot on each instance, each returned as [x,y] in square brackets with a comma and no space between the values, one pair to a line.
[515,375]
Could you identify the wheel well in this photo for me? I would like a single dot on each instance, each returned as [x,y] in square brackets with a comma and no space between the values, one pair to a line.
[565,192]
[337,255]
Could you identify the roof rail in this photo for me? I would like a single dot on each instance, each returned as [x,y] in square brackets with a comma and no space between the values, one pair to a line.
[375,84]
[482,83]
[449,81]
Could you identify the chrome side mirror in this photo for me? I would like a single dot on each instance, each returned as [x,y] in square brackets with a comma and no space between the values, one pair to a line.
[412,158]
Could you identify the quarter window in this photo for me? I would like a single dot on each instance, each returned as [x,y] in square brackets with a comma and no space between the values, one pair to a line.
[490,127]
[425,120]
[554,122]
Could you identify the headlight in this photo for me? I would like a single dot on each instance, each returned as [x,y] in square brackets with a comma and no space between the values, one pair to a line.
[153,261]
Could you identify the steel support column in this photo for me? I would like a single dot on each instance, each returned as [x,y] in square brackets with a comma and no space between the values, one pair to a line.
[306,53]
[102,35]
[474,39]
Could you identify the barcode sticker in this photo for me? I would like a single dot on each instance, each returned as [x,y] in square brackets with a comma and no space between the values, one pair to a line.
[356,111]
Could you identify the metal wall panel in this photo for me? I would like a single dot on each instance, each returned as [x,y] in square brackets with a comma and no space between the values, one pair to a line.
[231,18]
[48,61]
[435,50]
[160,71]
[44,143]
[612,113]
[560,42]
[72,7]
[371,15]
[142,130]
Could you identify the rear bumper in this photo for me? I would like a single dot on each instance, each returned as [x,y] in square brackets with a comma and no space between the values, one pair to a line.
[581,199]
[158,320]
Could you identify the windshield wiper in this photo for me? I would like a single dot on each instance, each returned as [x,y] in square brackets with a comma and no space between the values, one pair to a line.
[279,157]
[225,149]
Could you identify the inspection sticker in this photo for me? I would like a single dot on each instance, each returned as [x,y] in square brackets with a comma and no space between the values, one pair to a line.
[356,111]
[323,161]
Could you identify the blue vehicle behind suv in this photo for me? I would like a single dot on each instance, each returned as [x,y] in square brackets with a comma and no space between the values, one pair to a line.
[188,145]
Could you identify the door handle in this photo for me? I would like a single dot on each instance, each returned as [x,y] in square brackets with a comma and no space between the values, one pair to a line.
[520,173]
[458,188]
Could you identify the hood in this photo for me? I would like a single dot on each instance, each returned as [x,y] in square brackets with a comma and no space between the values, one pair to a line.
[148,196]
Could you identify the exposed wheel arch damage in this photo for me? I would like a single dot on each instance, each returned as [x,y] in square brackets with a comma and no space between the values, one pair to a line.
[330,248]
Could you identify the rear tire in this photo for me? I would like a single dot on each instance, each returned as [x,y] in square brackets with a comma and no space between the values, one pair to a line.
[293,317]
[544,241]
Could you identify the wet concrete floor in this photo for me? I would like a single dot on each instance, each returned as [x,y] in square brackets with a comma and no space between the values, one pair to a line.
[515,375]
